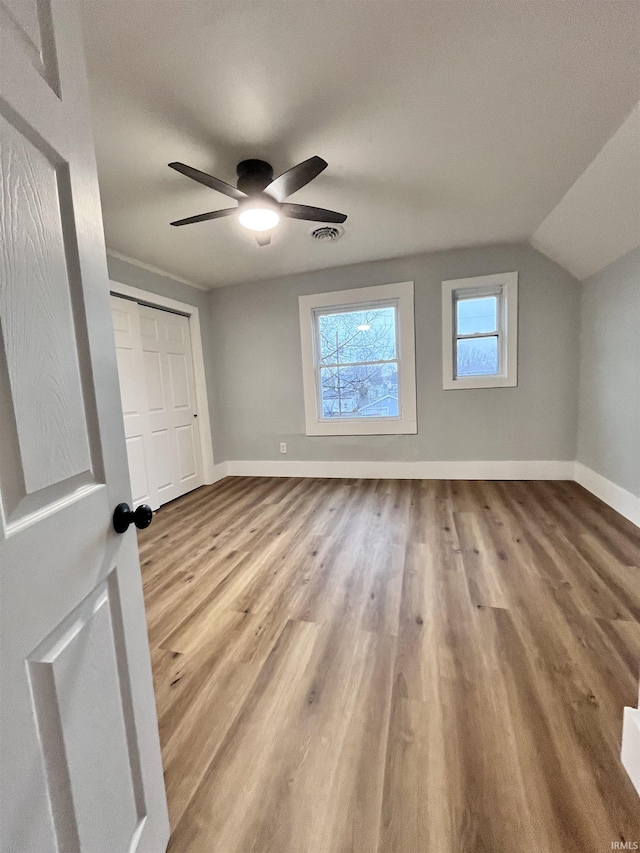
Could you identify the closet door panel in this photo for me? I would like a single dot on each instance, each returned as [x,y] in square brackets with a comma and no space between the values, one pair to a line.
[153,380]
[186,453]
[162,467]
[129,355]
[171,398]
[179,381]
[183,410]
[138,472]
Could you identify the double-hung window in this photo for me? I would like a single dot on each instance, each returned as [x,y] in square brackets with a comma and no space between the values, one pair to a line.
[480,331]
[358,361]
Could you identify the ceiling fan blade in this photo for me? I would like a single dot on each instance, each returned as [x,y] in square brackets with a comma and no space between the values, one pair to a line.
[312,214]
[263,239]
[204,217]
[208,180]
[291,181]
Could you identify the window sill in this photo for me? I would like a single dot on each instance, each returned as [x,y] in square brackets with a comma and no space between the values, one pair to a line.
[399,427]
[480,382]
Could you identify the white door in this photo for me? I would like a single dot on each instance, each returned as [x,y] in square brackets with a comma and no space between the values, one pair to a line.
[80,766]
[158,401]
[126,326]
[171,398]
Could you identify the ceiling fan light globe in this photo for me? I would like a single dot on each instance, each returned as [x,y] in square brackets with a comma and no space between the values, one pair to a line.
[259,218]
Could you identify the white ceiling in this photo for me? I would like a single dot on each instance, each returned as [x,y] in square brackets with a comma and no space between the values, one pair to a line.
[598,220]
[444,123]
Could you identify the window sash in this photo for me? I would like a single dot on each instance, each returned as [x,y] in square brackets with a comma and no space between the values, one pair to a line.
[478,335]
[478,293]
[322,365]
[319,365]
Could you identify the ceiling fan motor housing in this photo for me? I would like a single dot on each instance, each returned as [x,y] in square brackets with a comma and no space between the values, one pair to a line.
[254,176]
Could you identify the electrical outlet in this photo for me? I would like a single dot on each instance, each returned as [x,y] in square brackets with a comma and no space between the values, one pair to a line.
[283,447]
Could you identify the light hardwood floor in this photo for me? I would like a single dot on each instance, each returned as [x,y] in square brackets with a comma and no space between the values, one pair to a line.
[394,666]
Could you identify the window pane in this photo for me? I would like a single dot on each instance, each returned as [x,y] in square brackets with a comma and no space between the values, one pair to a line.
[364,391]
[477,357]
[477,315]
[363,335]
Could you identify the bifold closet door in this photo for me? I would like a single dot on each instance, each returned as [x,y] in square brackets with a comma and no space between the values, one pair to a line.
[126,327]
[174,440]
[158,401]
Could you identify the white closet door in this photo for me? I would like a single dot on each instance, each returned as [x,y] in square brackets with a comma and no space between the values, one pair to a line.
[158,401]
[126,326]
[171,399]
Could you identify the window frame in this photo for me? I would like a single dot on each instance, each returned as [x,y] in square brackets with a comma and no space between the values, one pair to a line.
[401,297]
[505,287]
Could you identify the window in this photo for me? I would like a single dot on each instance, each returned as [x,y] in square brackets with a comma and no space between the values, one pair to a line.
[480,331]
[358,361]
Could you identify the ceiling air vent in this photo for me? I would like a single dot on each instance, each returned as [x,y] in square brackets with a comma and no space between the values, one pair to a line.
[329,233]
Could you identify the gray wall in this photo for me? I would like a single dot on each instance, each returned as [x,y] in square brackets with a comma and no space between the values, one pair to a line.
[609,400]
[258,376]
[164,285]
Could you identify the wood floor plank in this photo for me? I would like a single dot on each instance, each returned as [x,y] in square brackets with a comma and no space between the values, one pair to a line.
[484,577]
[453,782]
[316,764]
[388,666]
[569,564]
[211,694]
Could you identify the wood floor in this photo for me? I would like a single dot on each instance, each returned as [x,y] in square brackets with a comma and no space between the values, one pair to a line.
[394,666]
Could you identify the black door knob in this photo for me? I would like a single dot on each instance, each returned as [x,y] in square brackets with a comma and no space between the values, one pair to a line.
[123,516]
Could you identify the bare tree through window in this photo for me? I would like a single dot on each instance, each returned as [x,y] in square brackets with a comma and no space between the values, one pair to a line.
[477,357]
[358,363]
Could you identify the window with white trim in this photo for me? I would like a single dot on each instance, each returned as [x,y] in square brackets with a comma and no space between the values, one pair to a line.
[358,360]
[480,331]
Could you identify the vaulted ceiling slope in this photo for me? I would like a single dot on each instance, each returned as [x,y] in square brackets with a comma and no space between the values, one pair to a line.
[444,123]
[598,220]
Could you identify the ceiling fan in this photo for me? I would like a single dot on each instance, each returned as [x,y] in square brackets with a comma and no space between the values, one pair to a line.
[261,198]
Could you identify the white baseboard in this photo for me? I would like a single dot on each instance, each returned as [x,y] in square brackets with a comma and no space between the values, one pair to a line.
[615,496]
[534,470]
[220,471]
